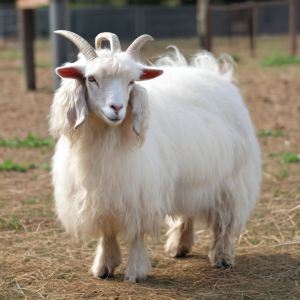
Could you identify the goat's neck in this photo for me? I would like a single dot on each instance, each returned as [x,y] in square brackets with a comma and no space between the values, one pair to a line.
[98,131]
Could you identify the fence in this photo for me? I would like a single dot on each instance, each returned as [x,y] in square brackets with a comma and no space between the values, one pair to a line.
[161,22]
[272,19]
[8,22]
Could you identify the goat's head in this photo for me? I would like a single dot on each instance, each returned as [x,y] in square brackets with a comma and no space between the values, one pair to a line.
[106,79]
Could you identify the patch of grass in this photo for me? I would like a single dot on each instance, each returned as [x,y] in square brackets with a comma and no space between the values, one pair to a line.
[21,70]
[39,213]
[10,54]
[254,241]
[8,165]
[284,174]
[92,244]
[270,132]
[291,157]
[44,64]
[45,166]
[33,200]
[30,141]
[236,57]
[11,221]
[279,61]
[272,154]
[276,194]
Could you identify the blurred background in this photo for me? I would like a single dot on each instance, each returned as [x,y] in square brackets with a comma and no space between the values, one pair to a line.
[257,29]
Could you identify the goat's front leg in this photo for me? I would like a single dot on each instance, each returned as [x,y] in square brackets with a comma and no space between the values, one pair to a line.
[108,257]
[139,265]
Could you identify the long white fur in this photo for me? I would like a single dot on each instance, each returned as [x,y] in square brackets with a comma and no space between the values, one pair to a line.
[197,158]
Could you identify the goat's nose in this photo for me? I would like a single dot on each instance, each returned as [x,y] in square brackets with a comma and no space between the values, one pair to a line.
[116,108]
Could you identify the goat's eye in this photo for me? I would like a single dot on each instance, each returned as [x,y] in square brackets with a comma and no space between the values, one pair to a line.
[91,79]
[131,82]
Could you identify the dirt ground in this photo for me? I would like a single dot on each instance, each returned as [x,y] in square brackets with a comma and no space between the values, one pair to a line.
[38,260]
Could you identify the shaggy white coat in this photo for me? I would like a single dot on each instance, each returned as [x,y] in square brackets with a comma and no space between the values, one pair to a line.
[197,159]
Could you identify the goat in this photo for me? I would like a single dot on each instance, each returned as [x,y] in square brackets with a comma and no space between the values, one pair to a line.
[132,151]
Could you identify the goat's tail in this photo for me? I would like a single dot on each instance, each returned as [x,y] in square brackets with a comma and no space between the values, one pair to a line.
[223,66]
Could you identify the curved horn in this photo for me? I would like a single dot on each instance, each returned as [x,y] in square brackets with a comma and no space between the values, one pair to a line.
[112,38]
[134,48]
[87,50]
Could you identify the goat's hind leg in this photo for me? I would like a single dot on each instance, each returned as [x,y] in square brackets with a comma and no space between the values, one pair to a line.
[108,257]
[181,237]
[222,250]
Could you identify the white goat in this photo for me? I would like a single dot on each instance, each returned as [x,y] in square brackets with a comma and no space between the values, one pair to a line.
[118,171]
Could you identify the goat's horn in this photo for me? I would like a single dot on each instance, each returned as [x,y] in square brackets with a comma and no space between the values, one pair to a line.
[134,48]
[112,38]
[87,50]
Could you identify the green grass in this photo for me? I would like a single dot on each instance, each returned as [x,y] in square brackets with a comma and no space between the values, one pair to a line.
[279,61]
[284,174]
[8,165]
[254,241]
[45,166]
[272,154]
[291,157]
[10,54]
[21,70]
[34,200]
[30,141]
[270,132]
[236,57]
[10,221]
[43,64]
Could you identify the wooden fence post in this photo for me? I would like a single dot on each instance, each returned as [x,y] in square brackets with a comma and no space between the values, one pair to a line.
[293,12]
[208,34]
[253,30]
[58,21]
[27,38]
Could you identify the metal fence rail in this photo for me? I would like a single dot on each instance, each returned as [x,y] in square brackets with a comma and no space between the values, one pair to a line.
[272,18]
[161,22]
[8,22]
[127,22]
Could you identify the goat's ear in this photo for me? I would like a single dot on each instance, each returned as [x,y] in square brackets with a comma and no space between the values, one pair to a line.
[78,111]
[140,111]
[70,71]
[150,73]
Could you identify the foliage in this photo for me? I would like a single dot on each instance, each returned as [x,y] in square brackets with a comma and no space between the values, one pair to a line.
[279,61]
[270,132]
[8,165]
[30,141]
[291,157]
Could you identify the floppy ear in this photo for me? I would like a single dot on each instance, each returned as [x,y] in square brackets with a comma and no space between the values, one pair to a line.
[78,111]
[69,110]
[140,112]
[150,73]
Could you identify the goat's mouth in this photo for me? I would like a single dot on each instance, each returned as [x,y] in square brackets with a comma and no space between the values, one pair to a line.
[115,121]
